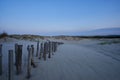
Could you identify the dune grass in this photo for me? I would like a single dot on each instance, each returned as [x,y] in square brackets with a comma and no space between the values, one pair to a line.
[110,42]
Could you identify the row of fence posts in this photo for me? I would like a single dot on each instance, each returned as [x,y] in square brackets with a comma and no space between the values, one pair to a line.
[47,49]
[44,50]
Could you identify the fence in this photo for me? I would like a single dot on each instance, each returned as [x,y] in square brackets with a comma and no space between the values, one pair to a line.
[43,51]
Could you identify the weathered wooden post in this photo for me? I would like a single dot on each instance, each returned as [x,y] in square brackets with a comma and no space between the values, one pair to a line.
[32,56]
[46,48]
[49,46]
[10,65]
[44,54]
[52,48]
[56,46]
[32,46]
[0,59]
[41,51]
[16,52]
[19,59]
[29,62]
[37,49]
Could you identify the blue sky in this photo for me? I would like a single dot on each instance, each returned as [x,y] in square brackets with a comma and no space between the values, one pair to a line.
[49,17]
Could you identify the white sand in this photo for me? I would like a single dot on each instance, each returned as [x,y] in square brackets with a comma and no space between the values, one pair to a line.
[74,60]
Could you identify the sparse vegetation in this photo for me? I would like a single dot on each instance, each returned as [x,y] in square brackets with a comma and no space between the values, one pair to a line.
[4,34]
[86,37]
[26,37]
[109,42]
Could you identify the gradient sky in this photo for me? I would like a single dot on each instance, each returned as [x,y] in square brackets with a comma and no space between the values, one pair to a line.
[48,17]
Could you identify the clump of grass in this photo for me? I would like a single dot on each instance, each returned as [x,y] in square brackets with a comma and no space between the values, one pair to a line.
[110,42]
[4,34]
[103,43]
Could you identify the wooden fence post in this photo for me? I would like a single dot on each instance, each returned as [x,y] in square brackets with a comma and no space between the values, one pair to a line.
[16,52]
[44,54]
[37,49]
[41,51]
[19,59]
[10,65]
[29,62]
[56,46]
[0,59]
[49,46]
[32,46]
[52,48]
[32,56]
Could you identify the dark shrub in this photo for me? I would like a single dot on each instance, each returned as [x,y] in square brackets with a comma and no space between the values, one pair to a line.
[4,34]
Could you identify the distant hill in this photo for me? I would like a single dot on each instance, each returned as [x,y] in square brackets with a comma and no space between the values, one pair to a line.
[105,31]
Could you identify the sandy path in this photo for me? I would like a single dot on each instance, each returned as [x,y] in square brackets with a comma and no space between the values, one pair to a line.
[77,63]
[73,62]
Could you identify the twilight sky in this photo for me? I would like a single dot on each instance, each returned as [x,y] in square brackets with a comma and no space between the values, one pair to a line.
[49,17]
